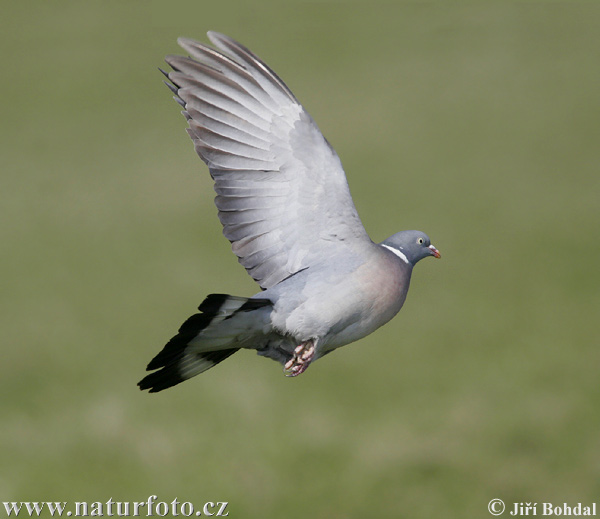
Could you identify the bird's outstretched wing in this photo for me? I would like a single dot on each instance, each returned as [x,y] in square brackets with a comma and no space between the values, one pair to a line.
[282,194]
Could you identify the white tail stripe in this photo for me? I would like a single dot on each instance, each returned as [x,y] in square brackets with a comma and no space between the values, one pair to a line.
[396,252]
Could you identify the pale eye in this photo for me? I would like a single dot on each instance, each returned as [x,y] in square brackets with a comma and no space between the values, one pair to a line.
[420,241]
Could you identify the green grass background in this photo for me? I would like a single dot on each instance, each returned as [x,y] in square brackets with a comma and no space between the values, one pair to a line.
[478,123]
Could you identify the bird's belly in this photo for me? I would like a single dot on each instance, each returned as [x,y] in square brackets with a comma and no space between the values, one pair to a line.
[378,303]
[346,309]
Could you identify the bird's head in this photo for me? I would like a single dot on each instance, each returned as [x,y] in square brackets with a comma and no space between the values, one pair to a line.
[411,246]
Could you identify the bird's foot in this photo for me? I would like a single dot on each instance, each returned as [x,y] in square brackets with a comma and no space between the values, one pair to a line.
[301,358]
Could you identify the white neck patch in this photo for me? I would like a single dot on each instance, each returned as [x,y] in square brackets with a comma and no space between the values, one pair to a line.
[396,252]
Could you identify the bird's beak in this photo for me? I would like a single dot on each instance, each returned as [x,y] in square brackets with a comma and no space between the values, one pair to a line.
[434,251]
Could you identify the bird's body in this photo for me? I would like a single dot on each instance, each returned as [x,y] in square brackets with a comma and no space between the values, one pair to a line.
[330,303]
[285,205]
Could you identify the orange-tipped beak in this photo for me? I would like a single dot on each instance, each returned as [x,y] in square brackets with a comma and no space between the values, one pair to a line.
[435,252]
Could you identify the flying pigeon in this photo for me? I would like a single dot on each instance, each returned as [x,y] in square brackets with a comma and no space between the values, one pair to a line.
[285,206]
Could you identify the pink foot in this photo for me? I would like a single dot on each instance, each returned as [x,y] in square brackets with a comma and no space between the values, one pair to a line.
[303,356]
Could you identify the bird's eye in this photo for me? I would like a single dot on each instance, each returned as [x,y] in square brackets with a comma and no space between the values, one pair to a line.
[420,241]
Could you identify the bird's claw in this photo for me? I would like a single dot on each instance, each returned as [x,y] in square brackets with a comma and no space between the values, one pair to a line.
[301,358]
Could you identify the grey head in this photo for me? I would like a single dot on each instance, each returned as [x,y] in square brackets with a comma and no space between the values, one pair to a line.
[411,246]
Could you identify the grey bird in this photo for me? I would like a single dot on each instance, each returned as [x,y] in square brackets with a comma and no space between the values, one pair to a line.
[285,206]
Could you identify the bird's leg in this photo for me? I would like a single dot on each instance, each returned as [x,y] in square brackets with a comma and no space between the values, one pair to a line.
[301,358]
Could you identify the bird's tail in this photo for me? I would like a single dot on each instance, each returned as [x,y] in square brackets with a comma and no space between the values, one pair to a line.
[220,329]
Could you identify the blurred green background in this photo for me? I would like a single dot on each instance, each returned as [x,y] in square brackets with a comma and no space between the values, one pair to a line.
[478,123]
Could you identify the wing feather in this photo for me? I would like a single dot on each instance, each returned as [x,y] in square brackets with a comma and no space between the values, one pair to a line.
[229,69]
[255,138]
[233,204]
